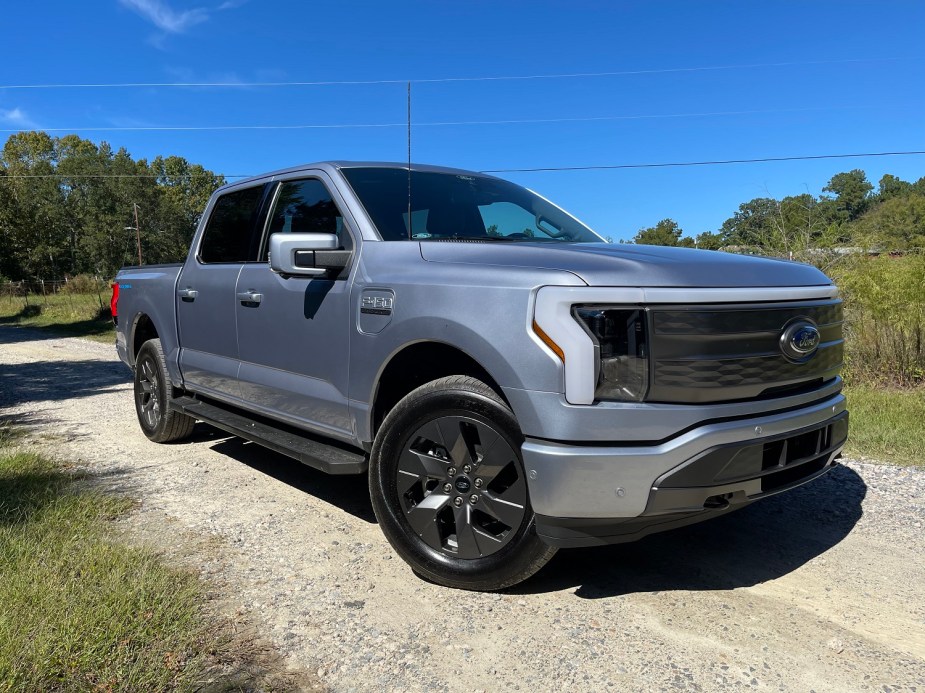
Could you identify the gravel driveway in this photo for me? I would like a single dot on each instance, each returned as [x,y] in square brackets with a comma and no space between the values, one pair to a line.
[819,589]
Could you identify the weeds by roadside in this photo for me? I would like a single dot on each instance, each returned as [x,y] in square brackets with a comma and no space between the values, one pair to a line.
[884,320]
[81,610]
[67,312]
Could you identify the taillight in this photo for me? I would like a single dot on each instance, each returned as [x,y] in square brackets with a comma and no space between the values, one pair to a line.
[114,303]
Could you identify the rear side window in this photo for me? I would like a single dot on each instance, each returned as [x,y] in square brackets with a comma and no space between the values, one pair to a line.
[230,229]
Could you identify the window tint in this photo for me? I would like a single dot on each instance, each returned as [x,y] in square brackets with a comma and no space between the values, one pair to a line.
[510,220]
[460,206]
[230,229]
[306,206]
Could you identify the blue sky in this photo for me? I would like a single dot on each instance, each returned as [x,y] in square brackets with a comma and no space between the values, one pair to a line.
[797,78]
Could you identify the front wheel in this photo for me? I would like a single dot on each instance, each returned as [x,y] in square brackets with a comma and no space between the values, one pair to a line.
[153,393]
[449,490]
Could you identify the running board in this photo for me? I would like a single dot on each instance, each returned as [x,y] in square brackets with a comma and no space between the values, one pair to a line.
[331,458]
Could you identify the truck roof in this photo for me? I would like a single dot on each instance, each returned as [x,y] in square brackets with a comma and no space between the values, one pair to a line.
[339,164]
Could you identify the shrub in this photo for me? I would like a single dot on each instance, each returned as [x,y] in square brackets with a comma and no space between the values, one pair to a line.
[84,284]
[884,319]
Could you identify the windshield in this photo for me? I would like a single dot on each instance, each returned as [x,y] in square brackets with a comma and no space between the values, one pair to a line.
[460,206]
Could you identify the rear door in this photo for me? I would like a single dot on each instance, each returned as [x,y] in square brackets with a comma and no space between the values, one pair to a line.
[294,339]
[205,293]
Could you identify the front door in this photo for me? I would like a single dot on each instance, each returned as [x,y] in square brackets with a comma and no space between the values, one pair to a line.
[293,333]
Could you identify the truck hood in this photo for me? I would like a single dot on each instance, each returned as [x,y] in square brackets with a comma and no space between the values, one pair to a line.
[606,264]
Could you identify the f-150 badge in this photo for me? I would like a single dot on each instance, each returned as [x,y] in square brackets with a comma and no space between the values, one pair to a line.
[376,305]
[375,310]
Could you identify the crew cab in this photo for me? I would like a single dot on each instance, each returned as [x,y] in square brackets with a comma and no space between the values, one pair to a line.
[510,382]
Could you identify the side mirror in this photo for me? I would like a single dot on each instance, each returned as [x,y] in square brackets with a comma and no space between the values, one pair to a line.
[306,254]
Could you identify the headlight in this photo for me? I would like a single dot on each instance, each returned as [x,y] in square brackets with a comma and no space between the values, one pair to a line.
[621,350]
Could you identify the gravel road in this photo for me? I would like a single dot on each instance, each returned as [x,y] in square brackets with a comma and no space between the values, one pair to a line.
[820,589]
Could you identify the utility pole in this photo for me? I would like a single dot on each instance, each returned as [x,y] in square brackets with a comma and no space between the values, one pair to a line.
[137,231]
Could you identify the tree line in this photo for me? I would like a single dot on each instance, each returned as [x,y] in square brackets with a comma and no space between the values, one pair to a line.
[850,212]
[68,205]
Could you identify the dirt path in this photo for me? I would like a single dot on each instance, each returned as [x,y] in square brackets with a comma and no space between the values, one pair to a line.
[820,589]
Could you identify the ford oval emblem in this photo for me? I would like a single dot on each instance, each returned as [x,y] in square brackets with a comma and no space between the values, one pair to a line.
[799,340]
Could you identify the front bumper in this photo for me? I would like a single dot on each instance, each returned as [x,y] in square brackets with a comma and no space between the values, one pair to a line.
[594,494]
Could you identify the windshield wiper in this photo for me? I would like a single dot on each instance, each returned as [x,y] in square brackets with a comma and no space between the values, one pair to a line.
[491,239]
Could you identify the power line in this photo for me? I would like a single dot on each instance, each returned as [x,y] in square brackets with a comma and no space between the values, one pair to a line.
[700,163]
[650,116]
[720,162]
[202,128]
[439,80]
[444,123]
[4,176]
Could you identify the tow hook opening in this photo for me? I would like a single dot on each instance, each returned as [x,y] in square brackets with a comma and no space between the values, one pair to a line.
[717,502]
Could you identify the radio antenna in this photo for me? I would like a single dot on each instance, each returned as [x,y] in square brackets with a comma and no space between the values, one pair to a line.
[410,232]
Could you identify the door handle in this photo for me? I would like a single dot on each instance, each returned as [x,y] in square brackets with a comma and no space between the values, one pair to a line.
[187,294]
[250,297]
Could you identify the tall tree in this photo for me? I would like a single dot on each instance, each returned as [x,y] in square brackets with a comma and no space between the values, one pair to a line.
[891,186]
[710,241]
[665,232]
[37,231]
[752,224]
[65,204]
[851,193]
[897,224]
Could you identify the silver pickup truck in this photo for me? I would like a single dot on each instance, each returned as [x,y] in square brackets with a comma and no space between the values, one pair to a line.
[510,382]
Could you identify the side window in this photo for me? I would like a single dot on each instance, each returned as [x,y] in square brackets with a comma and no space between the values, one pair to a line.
[230,229]
[306,206]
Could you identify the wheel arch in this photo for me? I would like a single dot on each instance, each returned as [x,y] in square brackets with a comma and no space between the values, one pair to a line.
[142,330]
[417,363]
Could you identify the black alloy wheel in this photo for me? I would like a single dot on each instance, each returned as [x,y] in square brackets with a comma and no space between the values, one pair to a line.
[153,392]
[147,393]
[460,487]
[448,487]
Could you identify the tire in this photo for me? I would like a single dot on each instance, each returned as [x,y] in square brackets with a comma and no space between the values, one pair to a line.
[448,487]
[153,392]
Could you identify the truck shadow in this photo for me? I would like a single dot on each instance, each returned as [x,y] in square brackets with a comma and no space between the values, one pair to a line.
[350,493]
[764,541]
[761,542]
[55,381]
[11,332]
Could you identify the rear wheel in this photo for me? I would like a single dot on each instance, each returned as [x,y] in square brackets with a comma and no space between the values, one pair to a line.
[449,490]
[153,393]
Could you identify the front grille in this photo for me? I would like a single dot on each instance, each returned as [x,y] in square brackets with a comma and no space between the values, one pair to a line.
[777,462]
[698,321]
[714,354]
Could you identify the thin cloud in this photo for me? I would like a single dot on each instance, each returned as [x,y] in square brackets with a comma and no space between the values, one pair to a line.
[129,122]
[165,17]
[17,118]
[231,79]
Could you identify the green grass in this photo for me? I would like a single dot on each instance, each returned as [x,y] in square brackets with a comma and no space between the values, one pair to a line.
[70,314]
[78,610]
[887,424]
